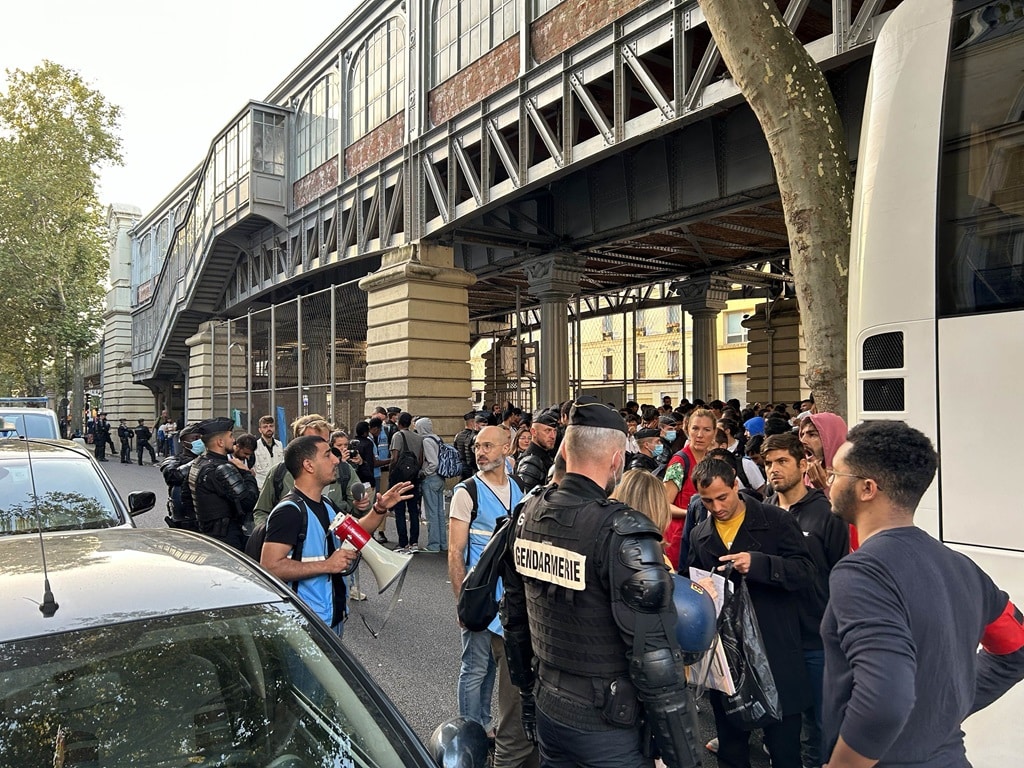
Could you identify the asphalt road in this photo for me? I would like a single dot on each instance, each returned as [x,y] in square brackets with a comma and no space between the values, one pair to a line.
[416,657]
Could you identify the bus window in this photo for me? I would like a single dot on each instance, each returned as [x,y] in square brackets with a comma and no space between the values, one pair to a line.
[981,216]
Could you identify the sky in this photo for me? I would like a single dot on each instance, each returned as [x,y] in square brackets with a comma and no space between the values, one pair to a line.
[178,71]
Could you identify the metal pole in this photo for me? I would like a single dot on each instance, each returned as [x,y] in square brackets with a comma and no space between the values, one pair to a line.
[636,357]
[519,346]
[625,347]
[579,352]
[298,352]
[227,325]
[248,368]
[272,362]
[334,358]
[213,364]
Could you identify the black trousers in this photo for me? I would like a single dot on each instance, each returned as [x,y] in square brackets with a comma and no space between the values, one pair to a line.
[562,746]
[145,446]
[126,451]
[782,740]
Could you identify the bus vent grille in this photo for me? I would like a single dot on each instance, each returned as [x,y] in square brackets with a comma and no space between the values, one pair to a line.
[883,395]
[883,351]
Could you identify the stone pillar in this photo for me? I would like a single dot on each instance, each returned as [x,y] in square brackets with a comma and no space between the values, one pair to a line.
[122,397]
[199,403]
[776,356]
[417,335]
[553,279]
[704,300]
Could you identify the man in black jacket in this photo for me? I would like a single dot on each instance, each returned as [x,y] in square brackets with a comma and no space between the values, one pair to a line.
[143,434]
[175,471]
[828,539]
[221,491]
[101,436]
[125,435]
[464,445]
[651,448]
[534,464]
[764,544]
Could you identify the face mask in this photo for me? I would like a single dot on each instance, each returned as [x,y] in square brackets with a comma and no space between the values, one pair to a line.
[659,449]
[671,435]
[197,447]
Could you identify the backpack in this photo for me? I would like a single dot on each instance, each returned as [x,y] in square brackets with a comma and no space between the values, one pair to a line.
[449,463]
[254,545]
[407,468]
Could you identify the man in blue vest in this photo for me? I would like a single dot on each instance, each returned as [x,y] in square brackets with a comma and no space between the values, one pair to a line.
[301,519]
[476,505]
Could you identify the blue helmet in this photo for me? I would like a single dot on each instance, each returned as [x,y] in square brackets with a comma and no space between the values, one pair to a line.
[458,742]
[695,627]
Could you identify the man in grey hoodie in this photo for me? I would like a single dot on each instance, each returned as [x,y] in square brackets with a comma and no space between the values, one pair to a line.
[432,488]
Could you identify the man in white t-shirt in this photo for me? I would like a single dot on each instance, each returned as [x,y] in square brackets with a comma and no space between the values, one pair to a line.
[483,653]
[269,451]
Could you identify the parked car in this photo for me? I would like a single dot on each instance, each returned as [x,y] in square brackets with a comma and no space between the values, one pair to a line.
[62,488]
[167,648]
[30,422]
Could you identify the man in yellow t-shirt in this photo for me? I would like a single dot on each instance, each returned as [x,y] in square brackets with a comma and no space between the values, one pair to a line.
[766,546]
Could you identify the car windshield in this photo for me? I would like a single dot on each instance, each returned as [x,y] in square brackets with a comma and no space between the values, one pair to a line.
[31,424]
[250,686]
[69,491]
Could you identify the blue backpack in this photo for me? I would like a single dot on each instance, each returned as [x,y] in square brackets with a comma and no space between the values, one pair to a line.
[449,463]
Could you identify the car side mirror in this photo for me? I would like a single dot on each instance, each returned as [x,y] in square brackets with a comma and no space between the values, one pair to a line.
[141,501]
[459,743]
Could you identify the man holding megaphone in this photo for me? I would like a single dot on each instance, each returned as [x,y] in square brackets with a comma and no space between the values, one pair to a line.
[298,547]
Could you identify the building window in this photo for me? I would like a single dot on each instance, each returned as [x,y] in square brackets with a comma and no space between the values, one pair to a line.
[673,362]
[316,126]
[608,367]
[543,6]
[267,143]
[641,365]
[672,316]
[607,327]
[641,322]
[734,385]
[735,333]
[377,81]
[464,30]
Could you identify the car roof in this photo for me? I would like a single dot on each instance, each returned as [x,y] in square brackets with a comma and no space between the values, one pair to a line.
[118,575]
[41,448]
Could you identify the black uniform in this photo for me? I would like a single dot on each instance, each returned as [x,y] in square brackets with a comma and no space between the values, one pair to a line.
[142,437]
[101,436]
[179,504]
[533,467]
[591,599]
[644,462]
[125,435]
[221,495]
[464,445]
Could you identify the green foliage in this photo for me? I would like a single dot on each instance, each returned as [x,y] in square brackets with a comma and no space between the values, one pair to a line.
[55,134]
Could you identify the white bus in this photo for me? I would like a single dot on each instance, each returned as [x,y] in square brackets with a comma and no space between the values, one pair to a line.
[937,283]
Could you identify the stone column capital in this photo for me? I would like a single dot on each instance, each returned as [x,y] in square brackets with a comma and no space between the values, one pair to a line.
[708,294]
[554,276]
[420,263]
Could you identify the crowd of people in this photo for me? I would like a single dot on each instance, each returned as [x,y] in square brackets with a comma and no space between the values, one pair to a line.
[586,657]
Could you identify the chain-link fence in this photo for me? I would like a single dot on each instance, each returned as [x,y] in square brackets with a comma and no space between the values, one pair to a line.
[621,347]
[307,355]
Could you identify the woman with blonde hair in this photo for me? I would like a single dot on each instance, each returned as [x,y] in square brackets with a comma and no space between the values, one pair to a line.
[644,492]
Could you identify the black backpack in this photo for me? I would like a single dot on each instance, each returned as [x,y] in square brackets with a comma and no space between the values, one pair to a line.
[254,545]
[407,468]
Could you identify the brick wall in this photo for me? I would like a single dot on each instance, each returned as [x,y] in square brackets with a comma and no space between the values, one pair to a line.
[571,21]
[489,73]
[316,183]
[384,140]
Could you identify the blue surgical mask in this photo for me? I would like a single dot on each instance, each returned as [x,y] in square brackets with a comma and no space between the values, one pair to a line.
[659,449]
[197,447]
[670,435]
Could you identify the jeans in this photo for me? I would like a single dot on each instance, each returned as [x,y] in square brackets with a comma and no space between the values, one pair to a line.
[562,746]
[476,677]
[811,750]
[412,508]
[433,505]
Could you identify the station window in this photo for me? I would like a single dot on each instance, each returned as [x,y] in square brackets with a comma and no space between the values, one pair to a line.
[376,86]
[267,143]
[543,6]
[316,131]
[735,333]
[464,30]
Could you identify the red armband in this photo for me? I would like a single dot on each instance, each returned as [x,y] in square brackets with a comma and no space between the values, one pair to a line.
[1005,634]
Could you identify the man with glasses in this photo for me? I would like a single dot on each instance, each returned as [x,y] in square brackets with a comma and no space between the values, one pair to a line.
[902,627]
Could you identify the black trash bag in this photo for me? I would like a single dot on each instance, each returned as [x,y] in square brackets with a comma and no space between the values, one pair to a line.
[756,701]
[478,598]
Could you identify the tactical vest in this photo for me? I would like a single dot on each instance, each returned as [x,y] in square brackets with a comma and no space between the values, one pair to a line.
[558,550]
[209,505]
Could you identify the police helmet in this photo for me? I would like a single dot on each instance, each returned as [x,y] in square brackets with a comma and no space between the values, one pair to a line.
[695,627]
[458,742]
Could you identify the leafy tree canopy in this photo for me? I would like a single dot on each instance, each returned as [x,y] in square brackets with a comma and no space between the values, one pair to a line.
[55,134]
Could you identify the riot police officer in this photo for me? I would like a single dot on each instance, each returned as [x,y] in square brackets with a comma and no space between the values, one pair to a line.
[220,491]
[535,463]
[592,600]
[175,470]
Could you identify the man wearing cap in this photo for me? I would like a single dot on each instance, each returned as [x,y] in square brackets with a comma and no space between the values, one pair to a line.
[533,466]
[590,598]
[175,471]
[651,450]
[125,435]
[143,434]
[101,436]
[221,493]
[464,445]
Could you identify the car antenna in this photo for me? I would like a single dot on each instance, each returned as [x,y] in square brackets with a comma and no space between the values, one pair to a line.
[49,605]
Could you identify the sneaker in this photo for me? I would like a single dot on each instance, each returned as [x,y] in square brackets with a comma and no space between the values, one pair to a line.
[431,550]
[413,548]
[712,746]
[381,537]
[357,595]
[402,551]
